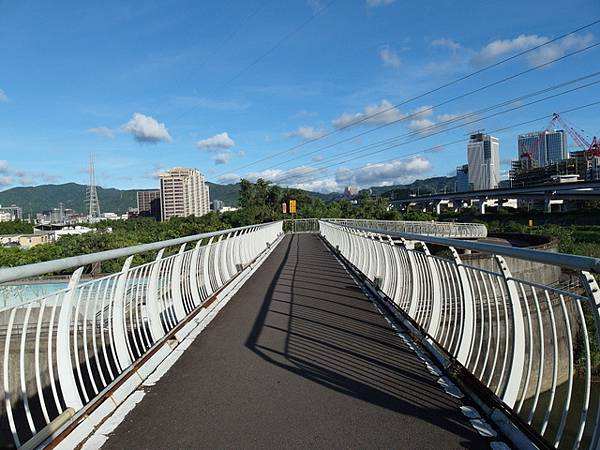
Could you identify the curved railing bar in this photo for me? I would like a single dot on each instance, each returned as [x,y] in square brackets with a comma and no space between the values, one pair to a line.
[574,262]
[57,265]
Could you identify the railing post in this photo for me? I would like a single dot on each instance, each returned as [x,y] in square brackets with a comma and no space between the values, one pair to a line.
[593,293]
[205,267]
[118,318]
[194,275]
[414,276]
[468,331]
[515,375]
[436,299]
[153,300]
[64,365]
[176,285]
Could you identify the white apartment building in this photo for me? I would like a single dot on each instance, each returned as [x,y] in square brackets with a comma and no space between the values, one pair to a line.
[483,154]
[183,193]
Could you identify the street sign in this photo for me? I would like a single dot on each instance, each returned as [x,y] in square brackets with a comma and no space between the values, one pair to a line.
[284,208]
[292,206]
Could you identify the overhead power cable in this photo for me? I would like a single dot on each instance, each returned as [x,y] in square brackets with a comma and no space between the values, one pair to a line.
[396,145]
[425,131]
[269,51]
[439,147]
[368,117]
[445,102]
[441,128]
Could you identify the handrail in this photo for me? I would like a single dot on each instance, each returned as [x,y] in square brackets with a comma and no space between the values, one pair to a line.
[528,344]
[574,262]
[426,228]
[67,348]
[36,269]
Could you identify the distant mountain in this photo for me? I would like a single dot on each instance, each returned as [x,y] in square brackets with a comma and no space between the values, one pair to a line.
[426,186]
[227,193]
[35,199]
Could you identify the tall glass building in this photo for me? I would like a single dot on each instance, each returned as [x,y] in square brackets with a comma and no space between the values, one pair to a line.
[483,155]
[543,147]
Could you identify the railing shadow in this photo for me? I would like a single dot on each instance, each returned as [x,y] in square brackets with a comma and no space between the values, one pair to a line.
[328,332]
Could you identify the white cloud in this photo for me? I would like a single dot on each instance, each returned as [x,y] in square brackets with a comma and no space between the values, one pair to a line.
[321,180]
[384,174]
[374,3]
[3,97]
[448,117]
[229,178]
[383,113]
[146,129]
[422,112]
[446,43]
[218,141]
[315,5]
[421,125]
[317,158]
[389,57]
[222,158]
[308,133]
[102,131]
[15,177]
[504,47]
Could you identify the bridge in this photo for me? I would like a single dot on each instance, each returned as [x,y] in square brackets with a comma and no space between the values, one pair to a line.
[579,190]
[323,333]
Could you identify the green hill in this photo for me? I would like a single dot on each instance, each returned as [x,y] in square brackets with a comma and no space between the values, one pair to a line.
[35,199]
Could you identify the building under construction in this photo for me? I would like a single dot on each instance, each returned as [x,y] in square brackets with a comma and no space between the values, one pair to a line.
[583,165]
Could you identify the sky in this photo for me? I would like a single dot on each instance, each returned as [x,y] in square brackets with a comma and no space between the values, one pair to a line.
[317,94]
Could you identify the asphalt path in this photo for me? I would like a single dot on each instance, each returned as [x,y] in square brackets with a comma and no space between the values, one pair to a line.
[299,358]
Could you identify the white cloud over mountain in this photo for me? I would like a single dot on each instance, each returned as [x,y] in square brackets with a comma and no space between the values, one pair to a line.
[322,180]
[218,141]
[146,129]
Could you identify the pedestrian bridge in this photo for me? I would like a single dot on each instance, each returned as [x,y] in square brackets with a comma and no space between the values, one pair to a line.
[326,334]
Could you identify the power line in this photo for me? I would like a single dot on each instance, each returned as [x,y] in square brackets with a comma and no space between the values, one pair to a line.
[441,146]
[461,118]
[271,49]
[445,102]
[465,77]
[396,145]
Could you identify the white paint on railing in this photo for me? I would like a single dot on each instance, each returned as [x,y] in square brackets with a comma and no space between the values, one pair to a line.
[517,337]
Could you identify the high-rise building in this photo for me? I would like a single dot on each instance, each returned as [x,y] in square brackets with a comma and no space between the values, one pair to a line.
[11,213]
[148,204]
[462,179]
[483,155]
[217,205]
[183,193]
[543,147]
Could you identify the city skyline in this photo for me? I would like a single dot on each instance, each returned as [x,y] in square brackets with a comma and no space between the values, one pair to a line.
[224,105]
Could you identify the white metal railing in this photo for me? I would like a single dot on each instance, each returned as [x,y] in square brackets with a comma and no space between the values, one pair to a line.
[445,229]
[65,349]
[532,345]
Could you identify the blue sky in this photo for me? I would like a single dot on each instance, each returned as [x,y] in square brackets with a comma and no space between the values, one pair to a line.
[221,86]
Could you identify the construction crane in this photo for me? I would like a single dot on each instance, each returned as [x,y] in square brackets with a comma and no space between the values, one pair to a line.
[590,148]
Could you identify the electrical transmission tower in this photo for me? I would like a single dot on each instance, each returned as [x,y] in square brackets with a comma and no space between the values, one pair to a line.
[91,194]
